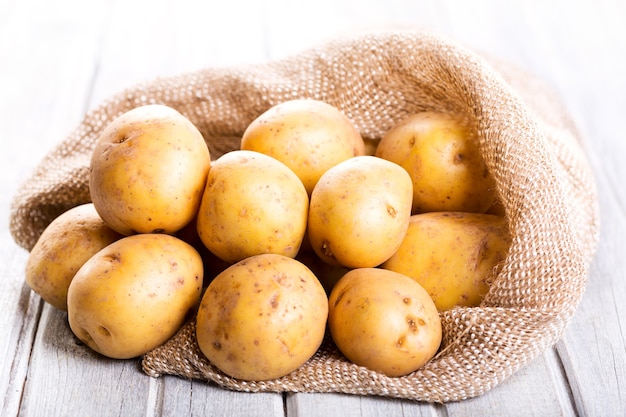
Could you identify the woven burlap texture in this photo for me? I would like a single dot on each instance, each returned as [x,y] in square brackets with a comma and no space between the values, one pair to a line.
[528,141]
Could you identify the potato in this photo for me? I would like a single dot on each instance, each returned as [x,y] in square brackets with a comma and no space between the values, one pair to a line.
[252,204]
[262,318]
[441,154]
[309,136]
[148,171]
[133,295]
[359,212]
[49,269]
[384,321]
[454,256]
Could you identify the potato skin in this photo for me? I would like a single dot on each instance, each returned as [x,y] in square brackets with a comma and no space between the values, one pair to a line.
[252,204]
[359,212]
[148,171]
[440,153]
[262,318]
[384,321]
[133,295]
[454,256]
[63,247]
[309,136]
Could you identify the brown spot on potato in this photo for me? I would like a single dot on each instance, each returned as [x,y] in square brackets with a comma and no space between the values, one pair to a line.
[391,211]
[113,257]
[217,345]
[339,297]
[401,341]
[285,346]
[458,158]
[281,279]
[326,250]
[274,300]
[483,251]
[412,322]
[365,304]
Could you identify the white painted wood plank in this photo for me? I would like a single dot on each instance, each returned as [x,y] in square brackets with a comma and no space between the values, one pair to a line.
[573,47]
[45,69]
[68,379]
[6,10]
[295,26]
[145,41]
[20,314]
[579,56]
[181,397]
[549,38]
[532,391]
[593,348]
[44,73]
[334,404]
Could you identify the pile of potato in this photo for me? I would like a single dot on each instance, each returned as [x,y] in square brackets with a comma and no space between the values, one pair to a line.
[305,229]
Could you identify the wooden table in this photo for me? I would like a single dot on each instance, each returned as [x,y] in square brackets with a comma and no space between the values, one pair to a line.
[59,59]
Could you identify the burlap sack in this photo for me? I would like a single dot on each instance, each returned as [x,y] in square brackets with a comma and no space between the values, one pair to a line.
[529,144]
